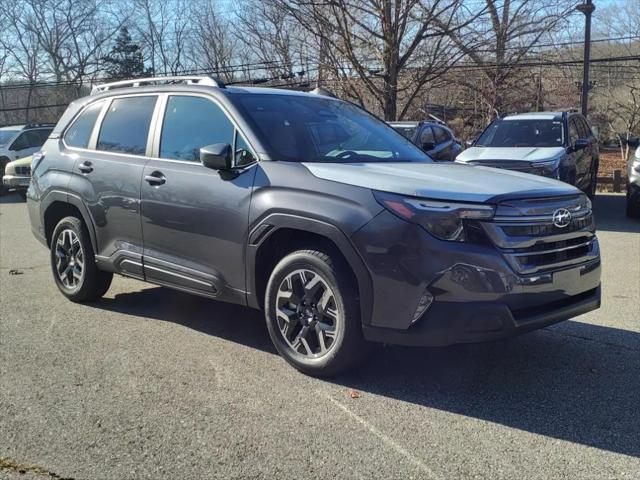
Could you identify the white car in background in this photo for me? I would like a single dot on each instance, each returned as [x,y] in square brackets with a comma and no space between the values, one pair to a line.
[20,141]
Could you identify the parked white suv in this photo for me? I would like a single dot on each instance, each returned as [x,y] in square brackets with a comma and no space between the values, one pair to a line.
[20,141]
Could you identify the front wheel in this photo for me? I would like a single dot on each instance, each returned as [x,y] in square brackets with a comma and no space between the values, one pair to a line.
[312,313]
[73,263]
[593,183]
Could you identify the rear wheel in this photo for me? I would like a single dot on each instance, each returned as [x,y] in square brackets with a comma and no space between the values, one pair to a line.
[23,194]
[633,204]
[313,315]
[73,263]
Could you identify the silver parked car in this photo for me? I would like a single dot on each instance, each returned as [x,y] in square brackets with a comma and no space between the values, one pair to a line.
[20,141]
[633,182]
[558,145]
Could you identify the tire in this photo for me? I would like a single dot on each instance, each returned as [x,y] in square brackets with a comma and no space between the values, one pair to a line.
[23,194]
[633,205]
[333,323]
[593,183]
[73,263]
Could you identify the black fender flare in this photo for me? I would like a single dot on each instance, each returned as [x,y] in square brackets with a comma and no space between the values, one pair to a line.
[54,196]
[270,224]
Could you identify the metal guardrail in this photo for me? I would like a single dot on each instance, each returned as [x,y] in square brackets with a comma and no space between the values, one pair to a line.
[617,180]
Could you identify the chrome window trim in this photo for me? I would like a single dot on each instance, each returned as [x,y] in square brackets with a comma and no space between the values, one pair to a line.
[95,132]
[159,110]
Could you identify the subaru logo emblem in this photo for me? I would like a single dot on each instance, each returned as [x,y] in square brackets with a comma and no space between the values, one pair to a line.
[561,218]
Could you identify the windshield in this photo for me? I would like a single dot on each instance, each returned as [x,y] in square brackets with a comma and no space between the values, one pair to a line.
[522,133]
[6,136]
[307,129]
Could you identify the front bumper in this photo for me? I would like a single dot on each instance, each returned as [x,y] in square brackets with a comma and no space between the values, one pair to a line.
[477,295]
[16,181]
[453,323]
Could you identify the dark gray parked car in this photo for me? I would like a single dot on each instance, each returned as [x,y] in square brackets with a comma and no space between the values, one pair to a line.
[310,208]
[433,137]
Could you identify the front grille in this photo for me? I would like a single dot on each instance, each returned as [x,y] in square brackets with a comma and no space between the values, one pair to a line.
[516,165]
[23,170]
[540,230]
[524,232]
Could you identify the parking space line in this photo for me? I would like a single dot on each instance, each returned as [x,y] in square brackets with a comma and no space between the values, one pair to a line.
[389,442]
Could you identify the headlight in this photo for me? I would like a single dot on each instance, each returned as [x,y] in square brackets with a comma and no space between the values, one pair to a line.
[443,220]
[551,164]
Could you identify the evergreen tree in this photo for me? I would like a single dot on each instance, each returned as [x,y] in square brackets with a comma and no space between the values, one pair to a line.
[125,59]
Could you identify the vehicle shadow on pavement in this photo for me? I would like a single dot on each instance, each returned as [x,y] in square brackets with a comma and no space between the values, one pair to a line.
[610,214]
[225,320]
[11,197]
[570,383]
[576,381]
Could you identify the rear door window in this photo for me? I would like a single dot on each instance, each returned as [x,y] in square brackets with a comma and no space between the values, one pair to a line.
[191,123]
[125,127]
[79,133]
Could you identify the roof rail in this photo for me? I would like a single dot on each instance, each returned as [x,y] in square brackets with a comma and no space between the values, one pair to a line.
[37,125]
[137,82]
[322,91]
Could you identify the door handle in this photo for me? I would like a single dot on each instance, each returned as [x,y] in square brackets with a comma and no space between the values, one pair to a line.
[85,167]
[155,178]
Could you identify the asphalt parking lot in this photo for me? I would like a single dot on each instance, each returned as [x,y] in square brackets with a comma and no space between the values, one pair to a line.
[152,383]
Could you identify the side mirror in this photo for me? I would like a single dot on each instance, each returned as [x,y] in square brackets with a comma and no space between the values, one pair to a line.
[426,146]
[580,144]
[469,143]
[216,156]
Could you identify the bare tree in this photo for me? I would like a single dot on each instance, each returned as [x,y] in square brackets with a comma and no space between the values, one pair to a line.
[392,47]
[272,37]
[214,47]
[72,33]
[509,31]
[23,53]
[164,29]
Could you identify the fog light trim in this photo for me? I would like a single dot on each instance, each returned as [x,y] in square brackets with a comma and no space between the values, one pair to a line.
[423,305]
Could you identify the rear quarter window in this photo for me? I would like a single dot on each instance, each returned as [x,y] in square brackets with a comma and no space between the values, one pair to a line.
[79,133]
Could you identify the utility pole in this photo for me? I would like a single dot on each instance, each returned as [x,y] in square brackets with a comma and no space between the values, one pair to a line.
[587,8]
[322,59]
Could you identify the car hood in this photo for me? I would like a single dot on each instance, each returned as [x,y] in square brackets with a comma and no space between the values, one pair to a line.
[442,181]
[21,162]
[532,154]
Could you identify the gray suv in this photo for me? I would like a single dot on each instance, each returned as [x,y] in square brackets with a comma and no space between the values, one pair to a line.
[435,138]
[311,209]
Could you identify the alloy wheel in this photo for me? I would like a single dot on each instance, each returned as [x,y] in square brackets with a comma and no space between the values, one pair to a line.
[69,259]
[307,313]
